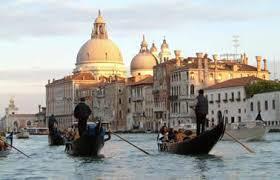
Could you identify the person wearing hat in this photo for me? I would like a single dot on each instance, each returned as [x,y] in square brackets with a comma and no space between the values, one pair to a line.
[201,110]
[82,113]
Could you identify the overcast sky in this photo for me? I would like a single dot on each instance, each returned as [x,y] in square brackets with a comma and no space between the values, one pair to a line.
[39,40]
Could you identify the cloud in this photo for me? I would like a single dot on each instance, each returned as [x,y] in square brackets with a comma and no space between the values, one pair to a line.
[24,18]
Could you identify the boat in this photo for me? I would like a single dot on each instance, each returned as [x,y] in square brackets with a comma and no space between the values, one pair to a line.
[247,131]
[55,138]
[90,142]
[23,134]
[38,130]
[201,144]
[4,153]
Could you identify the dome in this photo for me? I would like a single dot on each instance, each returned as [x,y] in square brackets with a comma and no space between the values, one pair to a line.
[99,50]
[143,61]
[100,55]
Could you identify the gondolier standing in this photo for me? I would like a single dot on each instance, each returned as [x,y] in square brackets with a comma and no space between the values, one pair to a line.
[51,123]
[201,110]
[82,113]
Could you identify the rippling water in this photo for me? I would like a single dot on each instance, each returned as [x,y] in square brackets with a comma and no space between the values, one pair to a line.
[227,160]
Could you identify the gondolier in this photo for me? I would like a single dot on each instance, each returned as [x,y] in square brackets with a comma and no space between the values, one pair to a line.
[201,110]
[51,123]
[82,113]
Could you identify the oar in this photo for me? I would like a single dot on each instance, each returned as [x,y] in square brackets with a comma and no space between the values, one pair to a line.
[131,143]
[15,148]
[243,145]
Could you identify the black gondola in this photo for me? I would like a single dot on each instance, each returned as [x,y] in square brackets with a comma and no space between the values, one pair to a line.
[201,144]
[55,138]
[90,143]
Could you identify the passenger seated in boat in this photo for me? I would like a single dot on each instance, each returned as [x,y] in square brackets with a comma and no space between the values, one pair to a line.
[163,135]
[171,134]
[3,145]
[180,136]
[189,134]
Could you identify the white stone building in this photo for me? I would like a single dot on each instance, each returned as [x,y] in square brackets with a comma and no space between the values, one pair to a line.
[231,99]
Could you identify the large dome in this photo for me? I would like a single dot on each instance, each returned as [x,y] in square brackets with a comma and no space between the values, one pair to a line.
[99,50]
[142,61]
[100,55]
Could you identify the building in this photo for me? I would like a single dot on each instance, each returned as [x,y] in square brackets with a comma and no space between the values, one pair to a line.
[110,104]
[14,121]
[237,105]
[141,103]
[98,60]
[194,73]
[172,83]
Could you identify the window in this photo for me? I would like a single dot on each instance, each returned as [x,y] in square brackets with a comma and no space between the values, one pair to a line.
[252,106]
[120,101]
[238,96]
[273,104]
[226,119]
[192,89]
[239,110]
[239,119]
[232,96]
[232,119]
[226,96]
[259,106]
[266,105]
[212,112]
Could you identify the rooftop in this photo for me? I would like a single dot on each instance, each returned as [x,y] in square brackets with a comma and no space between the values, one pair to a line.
[244,81]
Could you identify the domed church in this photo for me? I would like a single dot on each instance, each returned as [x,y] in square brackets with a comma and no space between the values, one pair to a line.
[144,61]
[100,55]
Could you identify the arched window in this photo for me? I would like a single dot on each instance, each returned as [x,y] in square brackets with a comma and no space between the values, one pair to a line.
[259,106]
[252,106]
[192,89]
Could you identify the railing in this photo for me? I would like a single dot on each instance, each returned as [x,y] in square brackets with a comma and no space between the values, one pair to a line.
[137,98]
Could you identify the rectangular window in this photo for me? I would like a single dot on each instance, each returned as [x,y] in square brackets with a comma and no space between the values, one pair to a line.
[273,104]
[232,119]
[266,105]
[239,119]
[239,110]
[259,106]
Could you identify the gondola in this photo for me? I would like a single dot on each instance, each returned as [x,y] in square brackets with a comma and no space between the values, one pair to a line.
[201,144]
[90,142]
[55,138]
[4,153]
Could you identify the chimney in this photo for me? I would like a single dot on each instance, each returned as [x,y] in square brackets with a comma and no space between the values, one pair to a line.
[199,59]
[215,57]
[258,59]
[178,57]
[206,61]
[49,81]
[265,64]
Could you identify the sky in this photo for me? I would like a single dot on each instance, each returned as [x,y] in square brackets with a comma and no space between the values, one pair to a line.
[39,40]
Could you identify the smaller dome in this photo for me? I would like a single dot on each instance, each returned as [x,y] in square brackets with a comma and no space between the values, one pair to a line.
[164,44]
[143,61]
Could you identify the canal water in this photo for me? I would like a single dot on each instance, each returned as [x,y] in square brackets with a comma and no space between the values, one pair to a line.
[227,160]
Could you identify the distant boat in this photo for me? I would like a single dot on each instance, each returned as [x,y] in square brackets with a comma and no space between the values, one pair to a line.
[90,143]
[201,144]
[6,151]
[247,131]
[23,134]
[38,131]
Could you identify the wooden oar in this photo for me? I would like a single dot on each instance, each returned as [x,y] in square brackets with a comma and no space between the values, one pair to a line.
[243,145]
[131,143]
[14,148]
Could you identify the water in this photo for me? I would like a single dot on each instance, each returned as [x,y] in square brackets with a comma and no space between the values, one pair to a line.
[227,160]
